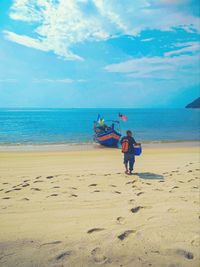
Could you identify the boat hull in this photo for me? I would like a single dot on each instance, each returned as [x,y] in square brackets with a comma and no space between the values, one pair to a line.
[108,139]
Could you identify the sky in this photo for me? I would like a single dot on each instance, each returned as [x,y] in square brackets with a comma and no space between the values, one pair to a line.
[99,53]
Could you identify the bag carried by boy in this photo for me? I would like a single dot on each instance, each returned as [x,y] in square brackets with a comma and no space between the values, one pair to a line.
[125,145]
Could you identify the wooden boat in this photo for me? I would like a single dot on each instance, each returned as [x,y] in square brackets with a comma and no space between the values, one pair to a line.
[107,135]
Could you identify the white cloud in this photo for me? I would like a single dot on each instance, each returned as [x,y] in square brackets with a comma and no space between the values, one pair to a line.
[180,68]
[59,24]
[66,80]
[188,47]
[25,40]
[147,40]
[8,80]
[46,80]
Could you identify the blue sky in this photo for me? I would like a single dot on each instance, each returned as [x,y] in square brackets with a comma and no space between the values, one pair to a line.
[98,53]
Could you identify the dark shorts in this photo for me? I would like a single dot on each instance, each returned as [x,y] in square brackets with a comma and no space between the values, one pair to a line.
[128,157]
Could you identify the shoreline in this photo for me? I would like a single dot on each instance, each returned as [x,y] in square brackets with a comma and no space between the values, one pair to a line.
[89,146]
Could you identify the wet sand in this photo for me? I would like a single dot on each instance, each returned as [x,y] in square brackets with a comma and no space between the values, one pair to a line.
[78,208]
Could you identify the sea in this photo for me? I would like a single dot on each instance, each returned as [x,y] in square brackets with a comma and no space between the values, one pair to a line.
[75,126]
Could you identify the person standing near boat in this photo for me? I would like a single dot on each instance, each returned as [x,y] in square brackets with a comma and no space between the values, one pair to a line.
[128,143]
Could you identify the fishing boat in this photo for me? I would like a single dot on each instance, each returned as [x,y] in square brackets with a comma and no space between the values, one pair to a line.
[107,133]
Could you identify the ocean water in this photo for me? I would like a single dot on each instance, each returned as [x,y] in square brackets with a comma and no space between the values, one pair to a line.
[54,126]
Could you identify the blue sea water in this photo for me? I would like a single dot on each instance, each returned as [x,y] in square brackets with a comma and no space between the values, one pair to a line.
[46,126]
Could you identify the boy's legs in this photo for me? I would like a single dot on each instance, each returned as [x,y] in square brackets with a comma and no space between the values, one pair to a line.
[126,168]
[131,163]
[126,163]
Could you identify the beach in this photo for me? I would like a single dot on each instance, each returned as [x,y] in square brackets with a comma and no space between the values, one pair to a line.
[77,207]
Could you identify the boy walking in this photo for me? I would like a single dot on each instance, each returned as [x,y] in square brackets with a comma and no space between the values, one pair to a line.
[128,143]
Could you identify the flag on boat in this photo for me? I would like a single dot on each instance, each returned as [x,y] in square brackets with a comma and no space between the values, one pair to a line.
[123,117]
[100,120]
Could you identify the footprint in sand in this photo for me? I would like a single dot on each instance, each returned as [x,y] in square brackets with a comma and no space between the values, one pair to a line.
[35,189]
[37,177]
[120,220]
[136,209]
[155,251]
[125,234]
[195,187]
[187,254]
[158,189]
[117,192]
[25,185]
[95,230]
[183,199]
[5,197]
[190,180]
[63,255]
[96,191]
[1,190]
[74,195]
[140,193]
[38,181]
[131,201]
[175,187]
[51,243]
[56,187]
[196,242]
[53,195]
[92,185]
[25,199]
[131,182]
[49,177]
[17,189]
[98,256]
[112,185]
[8,191]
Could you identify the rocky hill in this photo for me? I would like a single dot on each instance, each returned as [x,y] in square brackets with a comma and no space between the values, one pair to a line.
[194,104]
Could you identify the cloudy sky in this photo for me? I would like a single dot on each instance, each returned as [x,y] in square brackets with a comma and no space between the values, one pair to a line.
[99,53]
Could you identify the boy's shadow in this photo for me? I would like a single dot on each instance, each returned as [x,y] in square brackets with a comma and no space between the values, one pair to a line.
[151,176]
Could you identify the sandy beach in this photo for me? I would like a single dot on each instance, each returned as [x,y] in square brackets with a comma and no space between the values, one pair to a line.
[78,208]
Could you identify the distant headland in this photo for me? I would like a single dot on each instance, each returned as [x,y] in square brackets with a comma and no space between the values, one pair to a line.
[194,104]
